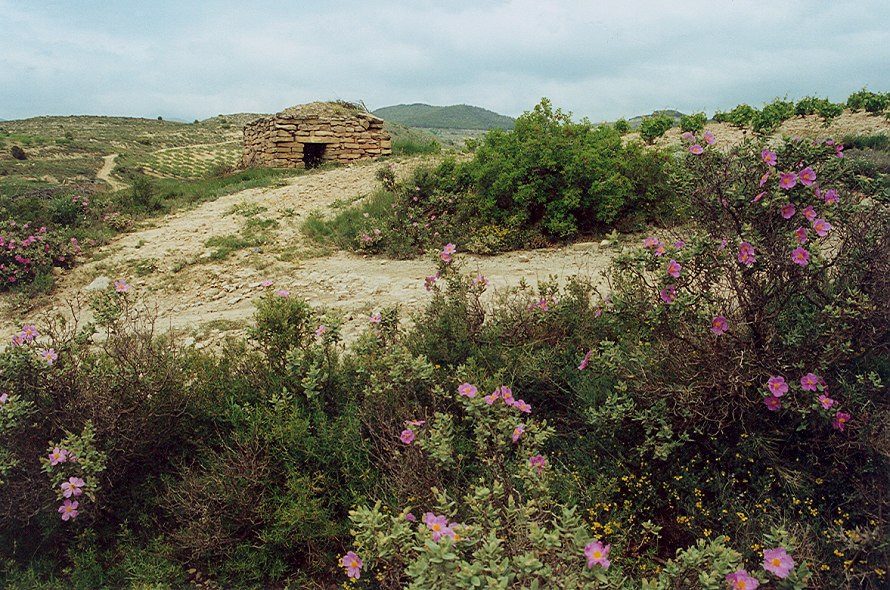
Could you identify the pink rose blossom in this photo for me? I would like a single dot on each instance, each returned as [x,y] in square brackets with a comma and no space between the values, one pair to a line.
[801,234]
[353,565]
[764,178]
[68,510]
[679,244]
[321,330]
[740,580]
[668,294]
[840,419]
[72,487]
[407,436]
[439,525]
[467,390]
[121,287]
[585,361]
[696,149]
[777,386]
[809,382]
[746,254]
[788,211]
[415,422]
[537,462]
[772,403]
[809,213]
[410,517]
[507,395]
[266,283]
[800,256]
[522,406]
[674,268]
[49,355]
[375,318]
[768,157]
[787,180]
[688,136]
[597,554]
[660,250]
[719,325]
[58,456]
[517,432]
[709,138]
[29,332]
[651,242]
[283,293]
[807,176]
[830,196]
[758,197]
[778,562]
[822,227]
[826,401]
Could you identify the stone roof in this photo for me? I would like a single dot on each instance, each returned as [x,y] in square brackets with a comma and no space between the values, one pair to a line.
[323,110]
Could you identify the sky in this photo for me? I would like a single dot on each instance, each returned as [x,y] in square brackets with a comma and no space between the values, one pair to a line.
[600,59]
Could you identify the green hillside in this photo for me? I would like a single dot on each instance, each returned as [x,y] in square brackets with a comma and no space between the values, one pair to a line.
[451,117]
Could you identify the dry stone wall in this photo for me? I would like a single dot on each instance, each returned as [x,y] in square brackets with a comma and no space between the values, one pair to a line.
[308,135]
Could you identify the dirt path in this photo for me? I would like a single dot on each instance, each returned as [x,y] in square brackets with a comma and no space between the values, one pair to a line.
[204,299]
[104,173]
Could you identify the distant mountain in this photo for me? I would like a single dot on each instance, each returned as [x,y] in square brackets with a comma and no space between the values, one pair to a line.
[459,116]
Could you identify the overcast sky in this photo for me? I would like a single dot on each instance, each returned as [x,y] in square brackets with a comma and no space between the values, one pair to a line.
[603,59]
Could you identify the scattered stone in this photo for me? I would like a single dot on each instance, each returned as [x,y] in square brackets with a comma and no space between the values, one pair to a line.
[98,284]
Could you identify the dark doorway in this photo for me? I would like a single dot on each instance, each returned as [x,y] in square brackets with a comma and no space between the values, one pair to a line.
[313,154]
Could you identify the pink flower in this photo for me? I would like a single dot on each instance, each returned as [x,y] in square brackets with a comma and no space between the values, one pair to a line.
[467,390]
[674,268]
[809,213]
[768,157]
[49,355]
[709,138]
[696,149]
[72,487]
[415,422]
[597,554]
[764,178]
[353,565]
[787,180]
[740,580]
[668,294]
[522,406]
[777,386]
[800,256]
[58,456]
[758,197]
[660,250]
[809,382]
[407,436]
[822,227]
[788,211]
[807,176]
[585,361]
[4,398]
[537,462]
[772,403]
[839,150]
[375,318]
[410,517]
[840,419]
[283,293]
[266,283]
[778,562]
[830,196]
[480,280]
[29,332]
[746,254]
[321,330]
[121,287]
[801,234]
[719,325]
[507,395]
[429,282]
[491,398]
[439,526]
[688,136]
[517,432]
[651,242]
[826,401]
[18,339]
[679,244]
[68,510]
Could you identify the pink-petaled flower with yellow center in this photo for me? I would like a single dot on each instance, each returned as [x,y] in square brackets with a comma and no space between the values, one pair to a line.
[826,401]
[651,242]
[809,382]
[439,525]
[769,157]
[491,397]
[788,211]
[809,213]
[740,580]
[353,565]
[415,422]
[772,403]
[121,286]
[283,293]
[537,462]
[709,138]
[840,419]
[778,562]
[777,386]
[375,318]
[267,283]
[407,436]
[29,332]
[449,249]
[467,390]
[800,256]
[719,325]
[480,280]
[68,510]
[49,355]
[674,268]
[801,235]
[758,197]
[522,406]
[58,456]
[787,180]
[660,250]
[518,432]
[18,339]
[822,227]
[597,554]
[807,176]
[321,330]
[668,294]
[839,150]
[72,487]
[679,244]
[746,254]
[764,178]
[830,196]
[696,149]
[688,136]
[585,361]
[507,395]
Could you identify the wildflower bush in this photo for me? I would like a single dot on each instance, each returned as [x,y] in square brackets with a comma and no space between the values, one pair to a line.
[27,252]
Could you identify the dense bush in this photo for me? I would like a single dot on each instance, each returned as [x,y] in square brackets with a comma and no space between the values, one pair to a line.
[651,128]
[768,119]
[622,126]
[872,102]
[693,123]
[27,252]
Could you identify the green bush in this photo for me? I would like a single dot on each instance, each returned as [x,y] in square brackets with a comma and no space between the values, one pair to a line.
[872,102]
[768,119]
[741,115]
[622,126]
[651,128]
[693,123]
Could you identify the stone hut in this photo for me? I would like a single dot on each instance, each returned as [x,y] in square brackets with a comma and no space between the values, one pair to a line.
[308,135]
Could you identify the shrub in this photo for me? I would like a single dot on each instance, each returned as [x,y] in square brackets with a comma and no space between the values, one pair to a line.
[651,128]
[740,116]
[27,252]
[872,102]
[18,153]
[693,123]
[771,116]
[622,126]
